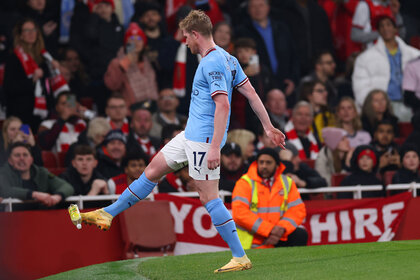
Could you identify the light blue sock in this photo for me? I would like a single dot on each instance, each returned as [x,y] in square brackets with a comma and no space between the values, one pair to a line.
[224,224]
[138,190]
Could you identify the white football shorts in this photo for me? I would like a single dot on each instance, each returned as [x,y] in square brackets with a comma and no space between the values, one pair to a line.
[180,151]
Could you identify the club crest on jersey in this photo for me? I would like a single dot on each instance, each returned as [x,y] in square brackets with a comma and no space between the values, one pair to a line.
[195,92]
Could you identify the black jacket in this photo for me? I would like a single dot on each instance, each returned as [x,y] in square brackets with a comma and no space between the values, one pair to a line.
[107,166]
[287,57]
[405,176]
[309,37]
[72,176]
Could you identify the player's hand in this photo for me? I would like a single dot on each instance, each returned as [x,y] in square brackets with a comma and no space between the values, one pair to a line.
[276,136]
[213,158]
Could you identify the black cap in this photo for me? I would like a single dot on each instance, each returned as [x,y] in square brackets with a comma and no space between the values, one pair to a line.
[115,134]
[271,152]
[231,148]
[148,105]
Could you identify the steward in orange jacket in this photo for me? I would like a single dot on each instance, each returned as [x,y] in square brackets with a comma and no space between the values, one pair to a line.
[258,208]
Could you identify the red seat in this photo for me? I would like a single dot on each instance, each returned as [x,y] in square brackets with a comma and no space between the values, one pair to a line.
[399,141]
[49,159]
[87,102]
[387,178]
[56,171]
[405,129]
[61,159]
[336,179]
[148,229]
[309,162]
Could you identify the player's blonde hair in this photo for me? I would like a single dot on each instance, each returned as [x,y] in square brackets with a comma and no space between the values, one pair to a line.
[197,21]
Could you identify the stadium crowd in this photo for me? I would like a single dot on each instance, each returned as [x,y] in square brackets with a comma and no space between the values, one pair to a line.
[90,90]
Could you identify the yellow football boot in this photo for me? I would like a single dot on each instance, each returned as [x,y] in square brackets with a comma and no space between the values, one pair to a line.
[236,264]
[99,217]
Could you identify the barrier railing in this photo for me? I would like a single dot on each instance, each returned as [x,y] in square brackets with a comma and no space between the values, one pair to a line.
[356,190]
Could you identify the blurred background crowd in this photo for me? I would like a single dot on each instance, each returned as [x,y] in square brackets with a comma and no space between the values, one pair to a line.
[90,90]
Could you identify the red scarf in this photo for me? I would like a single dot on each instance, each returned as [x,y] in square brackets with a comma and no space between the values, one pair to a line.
[125,127]
[292,137]
[175,182]
[147,146]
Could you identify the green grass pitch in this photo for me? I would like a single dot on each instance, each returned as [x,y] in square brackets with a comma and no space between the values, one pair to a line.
[388,260]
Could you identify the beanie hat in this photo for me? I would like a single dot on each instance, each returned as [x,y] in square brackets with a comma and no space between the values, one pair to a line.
[408,147]
[332,136]
[115,134]
[271,152]
[135,30]
[367,152]
[95,2]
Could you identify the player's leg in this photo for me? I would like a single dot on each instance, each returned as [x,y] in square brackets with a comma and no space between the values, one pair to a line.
[171,157]
[222,220]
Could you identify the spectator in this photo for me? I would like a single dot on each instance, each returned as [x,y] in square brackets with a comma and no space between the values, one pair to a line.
[409,171]
[222,35]
[169,132]
[263,140]
[131,72]
[363,165]
[309,27]
[381,67]
[82,173]
[12,132]
[335,156]
[411,85]
[298,131]
[141,125]
[385,147]
[414,137]
[166,114]
[78,79]
[93,136]
[324,71]
[245,140]
[47,18]
[301,173]
[25,72]
[368,13]
[276,105]
[347,118]
[97,35]
[116,112]
[273,190]
[260,77]
[161,46]
[231,166]
[111,153]
[177,181]
[58,134]
[316,94]
[377,107]
[24,180]
[275,45]
[133,165]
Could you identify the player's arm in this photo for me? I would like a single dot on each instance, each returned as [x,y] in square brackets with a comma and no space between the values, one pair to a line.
[221,115]
[254,100]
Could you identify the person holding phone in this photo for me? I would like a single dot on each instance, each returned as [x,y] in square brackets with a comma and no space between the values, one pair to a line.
[14,131]
[131,73]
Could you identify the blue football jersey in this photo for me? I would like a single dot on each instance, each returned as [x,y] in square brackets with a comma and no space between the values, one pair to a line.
[218,73]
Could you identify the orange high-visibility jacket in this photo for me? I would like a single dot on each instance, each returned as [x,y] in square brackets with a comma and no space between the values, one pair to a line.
[269,203]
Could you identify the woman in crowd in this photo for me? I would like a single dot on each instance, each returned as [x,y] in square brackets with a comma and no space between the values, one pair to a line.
[316,94]
[335,156]
[222,35]
[131,73]
[410,162]
[78,78]
[245,139]
[13,131]
[377,107]
[347,118]
[27,71]
[363,166]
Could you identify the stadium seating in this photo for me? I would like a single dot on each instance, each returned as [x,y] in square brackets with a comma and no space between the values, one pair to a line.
[148,229]
[387,177]
[56,171]
[336,178]
[49,159]
[61,159]
[405,129]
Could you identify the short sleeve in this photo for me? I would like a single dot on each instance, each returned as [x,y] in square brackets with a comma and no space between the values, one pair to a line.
[409,78]
[216,79]
[361,16]
[240,77]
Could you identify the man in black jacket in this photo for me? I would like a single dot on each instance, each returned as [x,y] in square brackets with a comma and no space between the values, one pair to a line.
[111,153]
[275,46]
